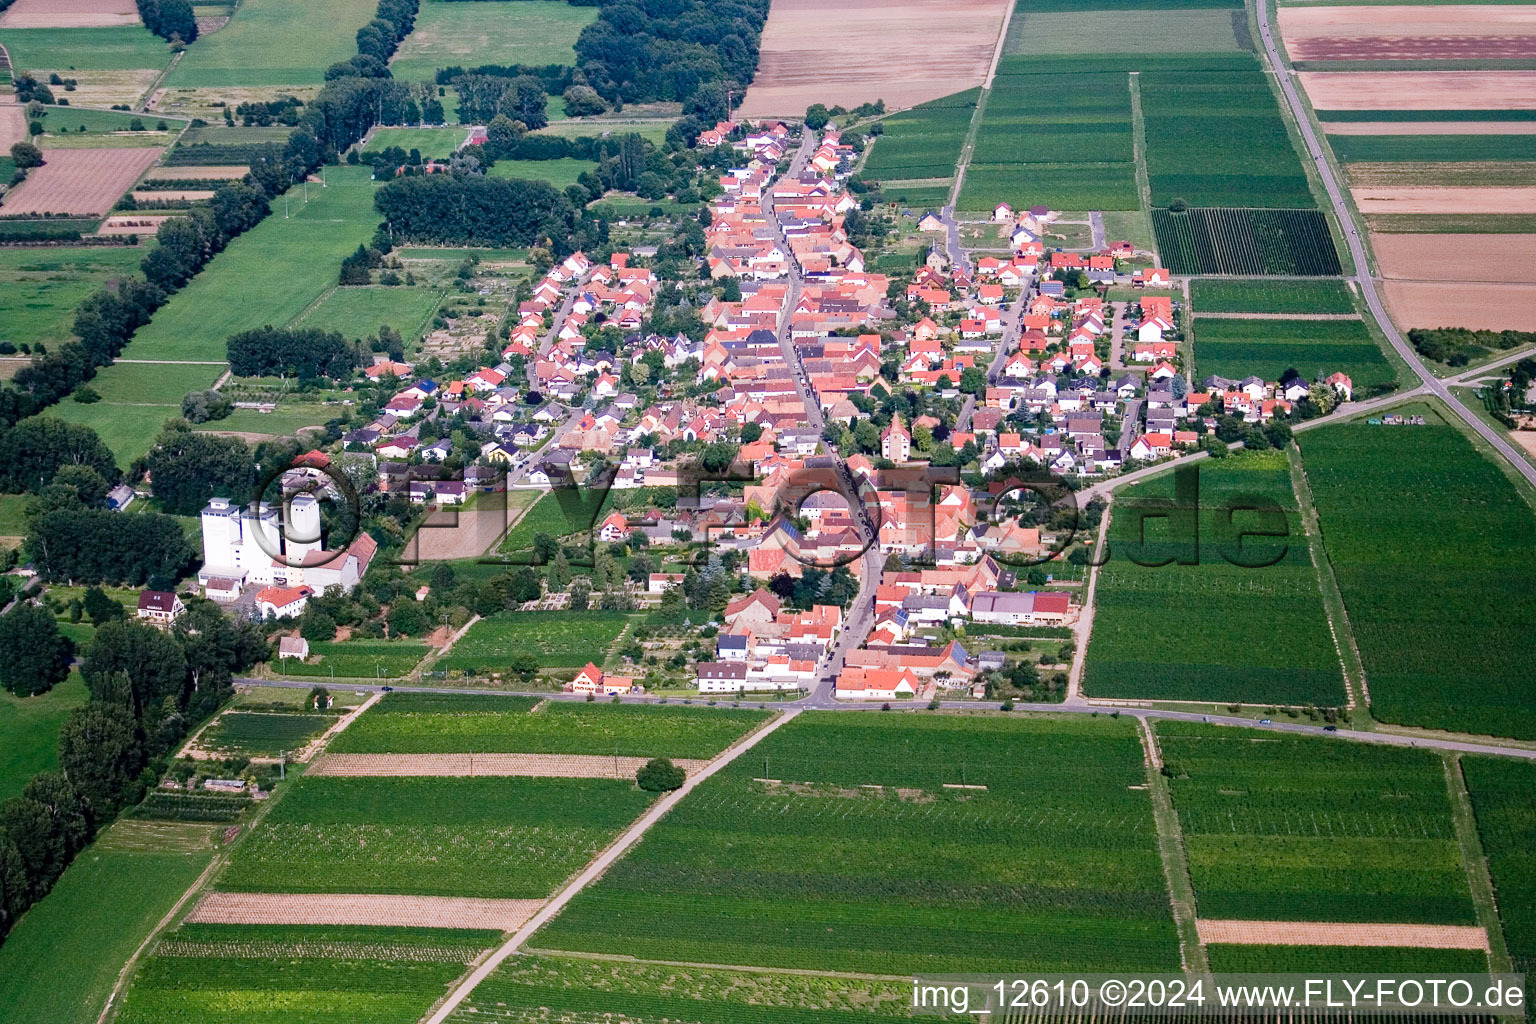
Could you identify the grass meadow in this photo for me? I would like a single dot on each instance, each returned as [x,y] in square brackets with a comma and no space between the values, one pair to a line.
[514,838]
[40,288]
[1422,529]
[430,142]
[557,639]
[119,48]
[527,32]
[29,731]
[359,312]
[859,858]
[274,42]
[358,659]
[1216,630]
[1306,828]
[559,173]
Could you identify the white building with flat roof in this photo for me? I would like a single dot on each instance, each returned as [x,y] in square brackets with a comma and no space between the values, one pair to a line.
[264,545]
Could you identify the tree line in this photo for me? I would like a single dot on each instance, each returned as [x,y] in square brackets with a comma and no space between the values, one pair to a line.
[303,352]
[470,209]
[169,19]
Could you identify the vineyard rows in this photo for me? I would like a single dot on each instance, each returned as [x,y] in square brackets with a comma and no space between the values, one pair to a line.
[1224,240]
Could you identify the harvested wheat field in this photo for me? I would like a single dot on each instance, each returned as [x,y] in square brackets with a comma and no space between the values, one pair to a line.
[1479,307]
[1329,933]
[134,224]
[13,123]
[79,181]
[70,14]
[361,909]
[1409,32]
[1420,90]
[1468,173]
[1416,199]
[104,88]
[904,52]
[1431,128]
[204,172]
[191,195]
[1499,258]
[543,766]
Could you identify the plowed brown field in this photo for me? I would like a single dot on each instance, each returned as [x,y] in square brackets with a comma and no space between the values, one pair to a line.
[1329,933]
[1420,90]
[1479,307]
[550,766]
[70,14]
[78,181]
[362,909]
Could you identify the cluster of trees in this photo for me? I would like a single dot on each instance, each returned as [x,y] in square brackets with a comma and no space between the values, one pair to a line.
[36,450]
[202,406]
[189,467]
[468,209]
[1458,346]
[303,352]
[169,19]
[815,586]
[96,545]
[521,98]
[641,50]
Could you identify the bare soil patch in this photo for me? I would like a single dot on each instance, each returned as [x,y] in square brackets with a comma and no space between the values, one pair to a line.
[1328,933]
[1407,20]
[1431,127]
[134,224]
[361,909]
[79,181]
[194,195]
[11,365]
[205,172]
[13,123]
[70,14]
[1420,90]
[1500,258]
[465,533]
[1410,48]
[543,766]
[904,52]
[1421,199]
[1484,307]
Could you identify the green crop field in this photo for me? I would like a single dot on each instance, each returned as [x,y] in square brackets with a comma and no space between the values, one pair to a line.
[255,733]
[526,32]
[1158,30]
[29,733]
[505,725]
[923,142]
[1221,240]
[1220,296]
[429,142]
[1421,530]
[359,312]
[274,42]
[358,659]
[255,974]
[1303,828]
[83,932]
[1217,139]
[515,838]
[539,987]
[69,120]
[559,173]
[1237,348]
[39,288]
[1431,148]
[1059,186]
[270,274]
[1501,791]
[557,639]
[121,48]
[1216,630]
[1053,864]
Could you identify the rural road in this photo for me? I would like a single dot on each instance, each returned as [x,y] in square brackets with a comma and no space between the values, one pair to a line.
[1363,278]
[595,869]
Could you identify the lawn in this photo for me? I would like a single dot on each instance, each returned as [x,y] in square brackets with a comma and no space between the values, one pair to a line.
[59,964]
[527,32]
[557,639]
[358,659]
[121,48]
[515,838]
[29,733]
[152,383]
[1053,865]
[40,288]
[1501,791]
[284,420]
[1238,348]
[13,514]
[259,734]
[254,974]
[1435,554]
[559,514]
[1222,296]
[1215,630]
[128,430]
[411,723]
[359,312]
[559,173]
[274,42]
[270,274]
[1281,827]
[429,142]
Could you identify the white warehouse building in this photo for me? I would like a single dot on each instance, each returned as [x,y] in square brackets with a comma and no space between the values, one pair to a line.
[254,546]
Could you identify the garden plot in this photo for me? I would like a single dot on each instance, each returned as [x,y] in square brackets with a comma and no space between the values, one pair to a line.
[355,909]
[545,766]
[85,182]
[904,52]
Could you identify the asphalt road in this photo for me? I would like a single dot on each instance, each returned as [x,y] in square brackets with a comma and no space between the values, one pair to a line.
[1363,279]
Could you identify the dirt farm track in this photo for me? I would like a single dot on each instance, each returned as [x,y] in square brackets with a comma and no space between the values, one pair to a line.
[78,181]
[905,52]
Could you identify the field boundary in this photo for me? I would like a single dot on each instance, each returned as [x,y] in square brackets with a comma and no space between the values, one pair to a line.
[1475,860]
[545,766]
[361,909]
[1139,152]
[1339,933]
[1170,847]
[597,868]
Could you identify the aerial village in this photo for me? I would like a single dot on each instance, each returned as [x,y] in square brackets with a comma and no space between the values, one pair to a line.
[926,395]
